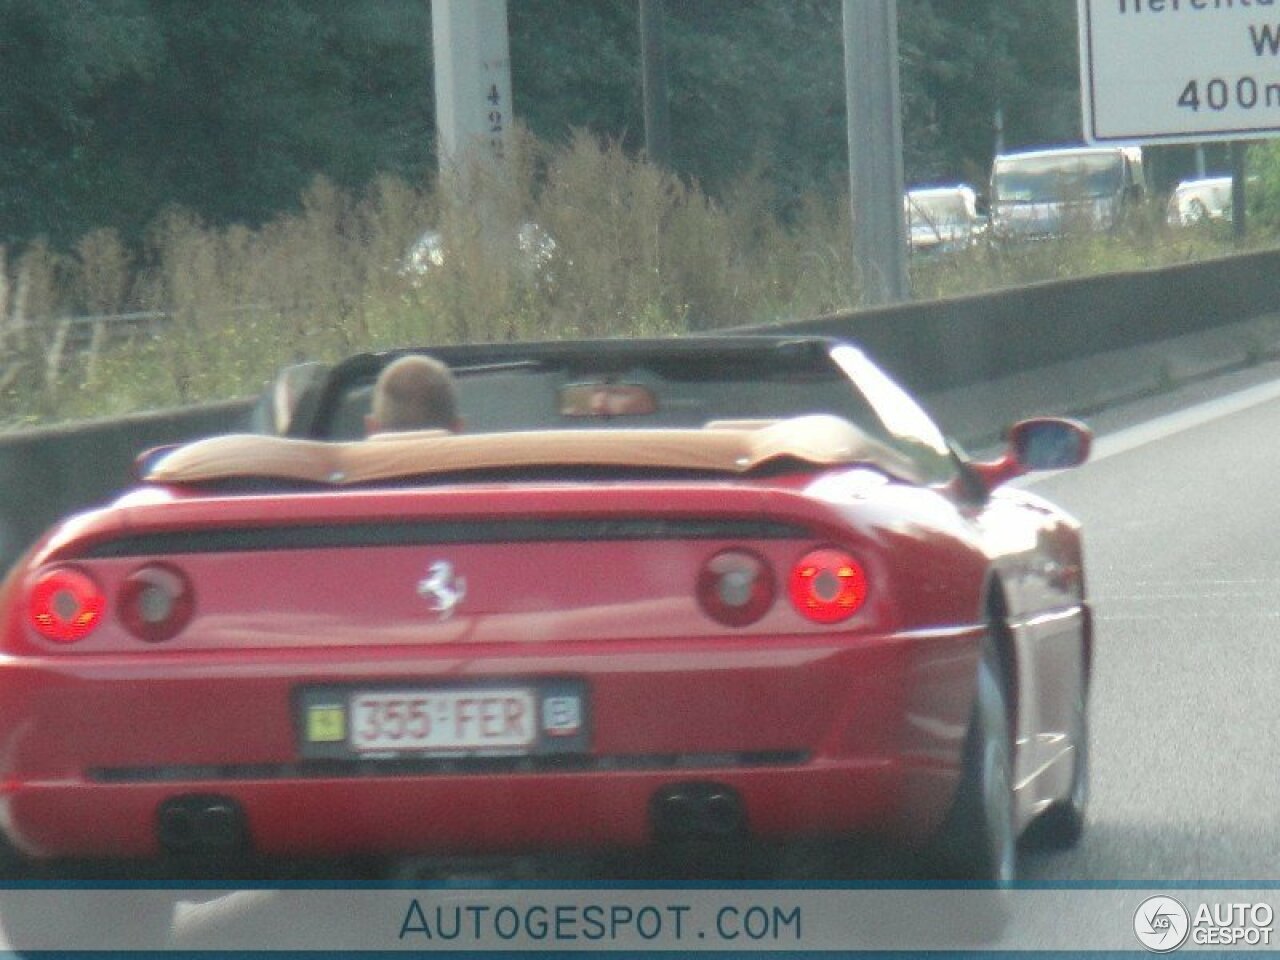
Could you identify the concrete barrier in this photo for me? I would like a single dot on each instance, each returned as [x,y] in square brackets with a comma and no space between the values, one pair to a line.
[48,473]
[939,345]
[980,361]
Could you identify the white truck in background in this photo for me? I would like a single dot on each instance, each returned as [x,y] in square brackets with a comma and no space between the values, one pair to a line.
[1039,194]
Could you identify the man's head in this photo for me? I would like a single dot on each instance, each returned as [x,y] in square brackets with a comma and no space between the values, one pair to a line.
[414,393]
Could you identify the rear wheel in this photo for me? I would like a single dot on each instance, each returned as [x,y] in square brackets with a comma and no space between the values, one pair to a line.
[978,841]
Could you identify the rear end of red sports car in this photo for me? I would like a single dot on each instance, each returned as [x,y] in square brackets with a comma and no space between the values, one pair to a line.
[742,630]
[483,669]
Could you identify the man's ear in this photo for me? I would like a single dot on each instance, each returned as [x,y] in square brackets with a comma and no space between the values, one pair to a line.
[371,424]
[458,425]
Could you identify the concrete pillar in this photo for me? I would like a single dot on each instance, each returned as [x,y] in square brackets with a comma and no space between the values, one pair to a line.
[875,149]
[473,80]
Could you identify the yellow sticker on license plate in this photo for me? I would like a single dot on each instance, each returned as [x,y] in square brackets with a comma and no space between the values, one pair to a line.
[326,723]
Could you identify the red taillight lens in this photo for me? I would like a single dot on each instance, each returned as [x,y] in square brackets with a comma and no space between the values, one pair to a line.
[65,604]
[827,585]
[156,602]
[736,587]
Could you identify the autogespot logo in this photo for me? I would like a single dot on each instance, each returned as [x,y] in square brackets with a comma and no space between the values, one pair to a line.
[1162,924]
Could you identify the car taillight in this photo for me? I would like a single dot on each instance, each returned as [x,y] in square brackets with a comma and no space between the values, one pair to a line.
[827,585]
[65,604]
[155,603]
[736,587]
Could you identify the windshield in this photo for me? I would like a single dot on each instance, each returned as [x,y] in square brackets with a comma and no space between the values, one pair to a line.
[935,211]
[1053,179]
[684,391]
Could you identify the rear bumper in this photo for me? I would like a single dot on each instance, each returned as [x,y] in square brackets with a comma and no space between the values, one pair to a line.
[449,815]
[854,735]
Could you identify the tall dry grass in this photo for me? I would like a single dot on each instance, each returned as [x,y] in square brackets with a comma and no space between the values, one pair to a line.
[635,251]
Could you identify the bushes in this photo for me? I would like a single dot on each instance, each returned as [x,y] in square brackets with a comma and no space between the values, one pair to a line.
[634,251]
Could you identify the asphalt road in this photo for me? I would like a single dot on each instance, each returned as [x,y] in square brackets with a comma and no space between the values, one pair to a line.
[1183,561]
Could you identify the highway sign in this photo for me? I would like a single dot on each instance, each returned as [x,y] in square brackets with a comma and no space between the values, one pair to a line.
[1171,71]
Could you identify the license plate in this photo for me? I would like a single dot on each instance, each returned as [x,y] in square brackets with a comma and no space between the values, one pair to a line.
[395,721]
[449,720]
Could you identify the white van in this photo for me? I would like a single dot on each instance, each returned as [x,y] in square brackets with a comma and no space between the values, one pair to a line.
[1194,201]
[1039,194]
[942,219]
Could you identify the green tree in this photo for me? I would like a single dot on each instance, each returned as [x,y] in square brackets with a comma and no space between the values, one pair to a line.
[759,84]
[755,84]
[960,62]
[116,108]
[1262,186]
[254,99]
[575,64]
[112,110]
[59,61]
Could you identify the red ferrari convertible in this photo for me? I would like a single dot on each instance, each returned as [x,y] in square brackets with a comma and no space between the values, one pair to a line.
[716,587]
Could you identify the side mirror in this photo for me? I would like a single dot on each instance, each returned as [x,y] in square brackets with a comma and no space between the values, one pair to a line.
[1040,443]
[1048,443]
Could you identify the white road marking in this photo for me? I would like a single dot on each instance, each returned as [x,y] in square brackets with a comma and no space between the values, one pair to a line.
[1166,425]
[1129,438]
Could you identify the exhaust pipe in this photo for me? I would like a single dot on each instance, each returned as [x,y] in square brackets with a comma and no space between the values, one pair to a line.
[689,810]
[199,823]
[177,827]
[722,813]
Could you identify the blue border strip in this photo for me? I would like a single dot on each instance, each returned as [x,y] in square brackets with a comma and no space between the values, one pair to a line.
[596,955]
[200,883]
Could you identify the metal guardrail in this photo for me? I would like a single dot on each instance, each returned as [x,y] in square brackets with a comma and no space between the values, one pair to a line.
[79,333]
[83,333]
[63,339]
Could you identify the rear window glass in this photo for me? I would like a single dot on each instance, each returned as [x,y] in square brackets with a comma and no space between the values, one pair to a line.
[688,392]
[532,400]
